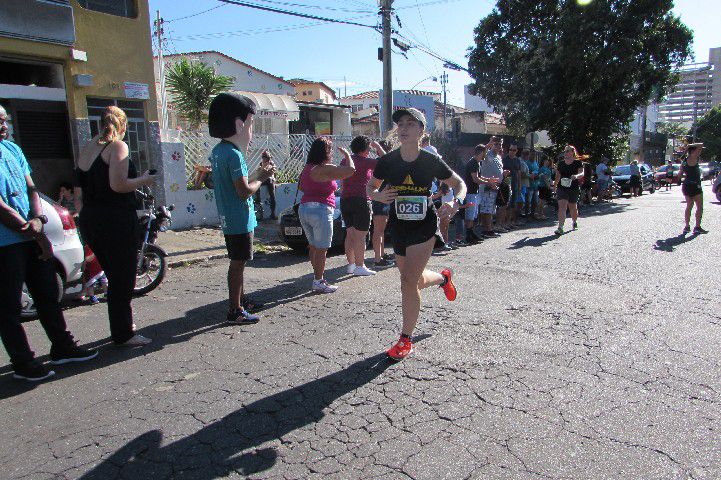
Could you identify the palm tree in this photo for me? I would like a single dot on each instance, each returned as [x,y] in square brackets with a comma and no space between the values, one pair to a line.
[193,85]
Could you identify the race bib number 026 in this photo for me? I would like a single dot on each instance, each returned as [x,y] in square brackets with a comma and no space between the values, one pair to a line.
[411,207]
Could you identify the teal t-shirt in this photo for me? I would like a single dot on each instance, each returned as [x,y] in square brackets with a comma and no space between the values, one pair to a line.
[236,216]
[13,188]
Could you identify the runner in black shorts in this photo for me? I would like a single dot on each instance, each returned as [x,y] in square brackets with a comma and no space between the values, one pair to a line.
[409,173]
[690,176]
[569,172]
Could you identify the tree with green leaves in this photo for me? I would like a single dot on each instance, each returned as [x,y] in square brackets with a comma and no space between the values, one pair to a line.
[709,132]
[577,69]
[672,129]
[192,86]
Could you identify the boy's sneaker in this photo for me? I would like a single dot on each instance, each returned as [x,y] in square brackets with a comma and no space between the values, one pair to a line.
[699,230]
[686,229]
[453,246]
[241,316]
[70,353]
[559,231]
[350,268]
[461,243]
[252,305]
[382,263]
[362,271]
[400,350]
[575,225]
[448,287]
[322,286]
[32,371]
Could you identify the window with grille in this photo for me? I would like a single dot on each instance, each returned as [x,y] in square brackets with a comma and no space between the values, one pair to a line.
[121,8]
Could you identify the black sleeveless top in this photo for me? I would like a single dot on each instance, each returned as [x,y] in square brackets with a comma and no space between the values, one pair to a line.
[96,186]
[693,173]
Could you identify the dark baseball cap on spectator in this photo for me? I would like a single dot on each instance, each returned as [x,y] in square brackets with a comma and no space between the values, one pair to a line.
[413,112]
[223,111]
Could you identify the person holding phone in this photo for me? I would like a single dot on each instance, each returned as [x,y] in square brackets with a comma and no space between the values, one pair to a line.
[569,172]
[108,220]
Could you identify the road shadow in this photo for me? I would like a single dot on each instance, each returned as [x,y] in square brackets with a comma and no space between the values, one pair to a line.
[671,243]
[533,242]
[196,321]
[231,443]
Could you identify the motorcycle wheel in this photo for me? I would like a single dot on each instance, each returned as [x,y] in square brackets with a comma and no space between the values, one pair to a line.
[151,272]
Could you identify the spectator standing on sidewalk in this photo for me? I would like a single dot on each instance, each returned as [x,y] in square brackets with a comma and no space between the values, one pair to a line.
[545,193]
[472,180]
[525,180]
[108,220]
[489,180]
[426,145]
[269,184]
[68,199]
[26,257]
[356,204]
[318,184]
[512,163]
[380,221]
[230,118]
[532,192]
[603,178]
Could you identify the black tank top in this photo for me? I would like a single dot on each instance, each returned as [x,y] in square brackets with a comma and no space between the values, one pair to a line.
[96,185]
[693,173]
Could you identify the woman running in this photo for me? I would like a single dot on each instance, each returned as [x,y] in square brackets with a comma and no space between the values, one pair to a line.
[690,177]
[409,173]
[569,172]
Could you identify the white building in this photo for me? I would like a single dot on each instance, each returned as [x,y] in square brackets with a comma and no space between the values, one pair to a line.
[272,95]
[475,103]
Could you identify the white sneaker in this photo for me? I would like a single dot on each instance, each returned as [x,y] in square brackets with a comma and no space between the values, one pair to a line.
[350,268]
[363,271]
[322,286]
[136,340]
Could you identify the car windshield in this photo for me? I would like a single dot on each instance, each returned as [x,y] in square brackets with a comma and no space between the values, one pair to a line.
[622,170]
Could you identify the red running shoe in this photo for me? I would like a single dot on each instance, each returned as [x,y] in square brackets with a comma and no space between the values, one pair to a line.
[400,350]
[449,288]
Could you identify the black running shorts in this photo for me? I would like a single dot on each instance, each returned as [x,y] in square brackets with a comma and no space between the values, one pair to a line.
[356,212]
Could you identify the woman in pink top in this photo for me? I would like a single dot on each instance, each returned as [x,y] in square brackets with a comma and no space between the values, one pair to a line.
[356,205]
[318,184]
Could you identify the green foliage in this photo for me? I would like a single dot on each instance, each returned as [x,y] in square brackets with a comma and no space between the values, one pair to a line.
[709,132]
[672,129]
[579,72]
[193,85]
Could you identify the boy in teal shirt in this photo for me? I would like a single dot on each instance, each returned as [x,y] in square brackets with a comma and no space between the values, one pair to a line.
[230,118]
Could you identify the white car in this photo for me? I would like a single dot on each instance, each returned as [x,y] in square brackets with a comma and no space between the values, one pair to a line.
[67,251]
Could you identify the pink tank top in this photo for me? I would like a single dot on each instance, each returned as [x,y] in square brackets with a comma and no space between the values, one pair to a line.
[319,192]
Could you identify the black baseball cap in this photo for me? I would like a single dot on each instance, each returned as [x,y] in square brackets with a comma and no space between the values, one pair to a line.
[223,111]
[413,112]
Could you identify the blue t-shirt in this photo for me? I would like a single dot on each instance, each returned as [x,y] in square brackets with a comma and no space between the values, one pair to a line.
[533,170]
[544,177]
[13,188]
[236,216]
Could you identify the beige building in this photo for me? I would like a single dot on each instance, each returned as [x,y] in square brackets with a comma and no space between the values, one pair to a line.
[315,92]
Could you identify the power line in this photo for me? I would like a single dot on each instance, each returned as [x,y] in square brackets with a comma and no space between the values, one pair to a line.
[297,14]
[317,7]
[195,14]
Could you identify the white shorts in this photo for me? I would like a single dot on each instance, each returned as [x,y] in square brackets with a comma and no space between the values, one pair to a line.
[487,202]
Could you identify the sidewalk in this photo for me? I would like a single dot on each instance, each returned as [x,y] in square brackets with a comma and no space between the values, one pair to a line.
[207,243]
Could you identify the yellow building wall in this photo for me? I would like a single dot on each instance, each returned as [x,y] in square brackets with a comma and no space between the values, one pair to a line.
[118,49]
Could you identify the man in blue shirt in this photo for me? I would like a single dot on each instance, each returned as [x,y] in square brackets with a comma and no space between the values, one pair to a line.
[25,254]
[230,118]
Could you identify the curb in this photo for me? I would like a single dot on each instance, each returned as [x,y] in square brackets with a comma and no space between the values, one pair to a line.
[196,260]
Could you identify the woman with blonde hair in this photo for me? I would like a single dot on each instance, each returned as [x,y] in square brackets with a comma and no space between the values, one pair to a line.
[569,172]
[108,220]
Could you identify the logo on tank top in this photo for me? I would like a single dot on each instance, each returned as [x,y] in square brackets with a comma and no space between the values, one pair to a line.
[408,180]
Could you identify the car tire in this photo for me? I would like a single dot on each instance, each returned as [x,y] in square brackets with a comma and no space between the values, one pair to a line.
[28,310]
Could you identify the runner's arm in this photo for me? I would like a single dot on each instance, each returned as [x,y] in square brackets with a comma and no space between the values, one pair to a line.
[458,186]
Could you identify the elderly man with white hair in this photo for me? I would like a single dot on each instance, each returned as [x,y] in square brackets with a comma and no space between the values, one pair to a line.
[25,254]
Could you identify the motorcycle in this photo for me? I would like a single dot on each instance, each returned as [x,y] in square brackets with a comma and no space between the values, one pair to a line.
[152,265]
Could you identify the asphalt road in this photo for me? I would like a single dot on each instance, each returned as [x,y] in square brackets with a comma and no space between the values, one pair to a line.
[595,355]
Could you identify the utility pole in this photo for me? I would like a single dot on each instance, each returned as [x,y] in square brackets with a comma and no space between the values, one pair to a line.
[444,82]
[161,72]
[387,103]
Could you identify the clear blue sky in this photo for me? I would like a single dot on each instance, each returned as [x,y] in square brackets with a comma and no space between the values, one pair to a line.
[295,47]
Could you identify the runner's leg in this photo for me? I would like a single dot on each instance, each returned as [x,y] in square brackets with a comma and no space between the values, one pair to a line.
[687,213]
[414,278]
[573,207]
[698,200]
[562,205]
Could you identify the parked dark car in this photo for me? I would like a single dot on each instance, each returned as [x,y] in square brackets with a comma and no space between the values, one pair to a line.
[622,176]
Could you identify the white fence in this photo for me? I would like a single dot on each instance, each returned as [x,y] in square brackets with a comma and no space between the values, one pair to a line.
[289,151]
